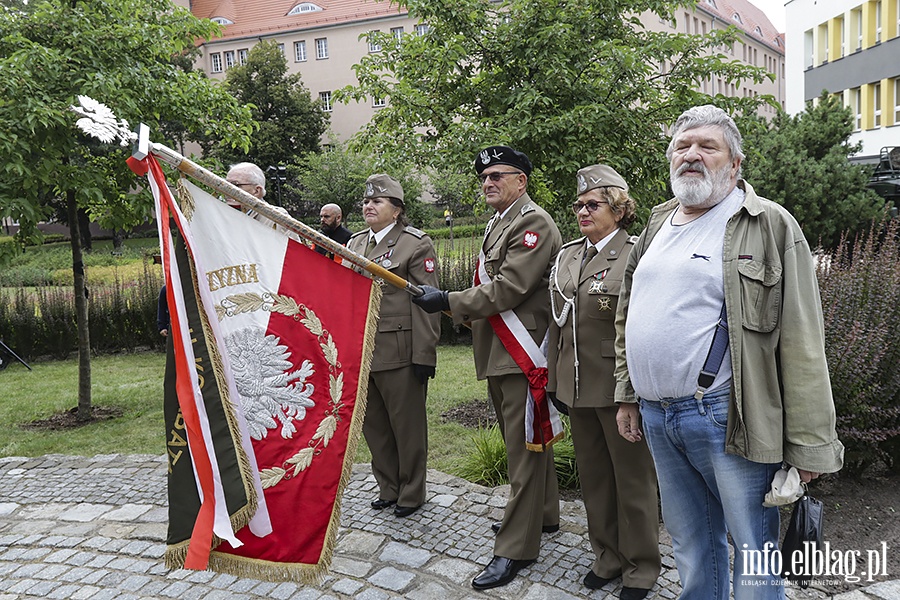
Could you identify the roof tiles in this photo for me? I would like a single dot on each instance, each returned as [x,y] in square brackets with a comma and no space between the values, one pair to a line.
[255,17]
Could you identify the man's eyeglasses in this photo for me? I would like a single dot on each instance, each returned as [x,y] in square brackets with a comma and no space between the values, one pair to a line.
[237,184]
[495,177]
[592,206]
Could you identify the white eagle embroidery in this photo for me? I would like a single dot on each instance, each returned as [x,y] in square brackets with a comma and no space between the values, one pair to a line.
[270,394]
[582,184]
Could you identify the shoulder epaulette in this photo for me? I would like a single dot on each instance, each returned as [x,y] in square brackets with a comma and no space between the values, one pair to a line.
[527,209]
[359,233]
[574,242]
[416,232]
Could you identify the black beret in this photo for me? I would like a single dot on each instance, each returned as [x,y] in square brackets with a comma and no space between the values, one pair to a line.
[502,155]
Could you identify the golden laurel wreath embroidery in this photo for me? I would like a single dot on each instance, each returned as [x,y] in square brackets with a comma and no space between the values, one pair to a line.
[249,302]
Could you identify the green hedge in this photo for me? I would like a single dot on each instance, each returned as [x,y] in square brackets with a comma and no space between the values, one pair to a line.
[40,321]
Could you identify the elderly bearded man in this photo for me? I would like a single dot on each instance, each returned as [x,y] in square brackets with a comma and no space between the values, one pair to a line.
[718,257]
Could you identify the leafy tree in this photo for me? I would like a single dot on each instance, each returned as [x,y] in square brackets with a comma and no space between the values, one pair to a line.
[339,176]
[569,82]
[801,162]
[119,52]
[290,123]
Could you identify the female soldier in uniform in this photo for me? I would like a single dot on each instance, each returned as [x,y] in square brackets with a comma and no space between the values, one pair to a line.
[405,355]
[618,482]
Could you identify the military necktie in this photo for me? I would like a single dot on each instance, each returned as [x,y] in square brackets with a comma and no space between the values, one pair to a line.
[591,253]
[371,246]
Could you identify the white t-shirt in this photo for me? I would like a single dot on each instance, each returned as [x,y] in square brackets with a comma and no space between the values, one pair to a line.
[676,297]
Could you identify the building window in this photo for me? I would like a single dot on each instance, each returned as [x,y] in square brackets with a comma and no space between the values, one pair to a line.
[712,3]
[856,18]
[737,18]
[281,47]
[878,22]
[421,29]
[222,21]
[325,101]
[876,99]
[304,7]
[300,51]
[374,45]
[840,23]
[397,32]
[321,48]
[856,107]
[687,23]
[809,49]
[215,62]
[229,59]
[242,56]
[378,102]
[897,101]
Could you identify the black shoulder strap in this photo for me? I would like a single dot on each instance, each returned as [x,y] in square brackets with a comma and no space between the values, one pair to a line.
[715,355]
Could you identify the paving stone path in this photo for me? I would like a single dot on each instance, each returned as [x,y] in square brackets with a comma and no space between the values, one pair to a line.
[94,529]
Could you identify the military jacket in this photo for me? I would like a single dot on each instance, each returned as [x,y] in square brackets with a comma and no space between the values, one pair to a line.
[595,288]
[406,334]
[518,250]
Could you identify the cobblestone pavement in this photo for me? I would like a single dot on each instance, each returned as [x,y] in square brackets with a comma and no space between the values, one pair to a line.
[94,529]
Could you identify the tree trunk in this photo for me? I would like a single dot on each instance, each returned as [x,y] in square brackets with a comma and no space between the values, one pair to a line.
[118,241]
[84,225]
[81,312]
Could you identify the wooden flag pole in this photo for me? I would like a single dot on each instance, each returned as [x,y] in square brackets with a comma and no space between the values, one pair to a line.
[195,171]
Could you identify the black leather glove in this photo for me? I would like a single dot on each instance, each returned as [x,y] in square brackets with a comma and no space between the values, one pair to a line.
[560,406]
[423,373]
[432,300]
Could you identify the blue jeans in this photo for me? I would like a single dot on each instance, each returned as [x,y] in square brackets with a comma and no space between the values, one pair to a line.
[707,494]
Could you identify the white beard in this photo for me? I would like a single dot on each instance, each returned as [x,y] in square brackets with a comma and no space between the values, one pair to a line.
[693,192]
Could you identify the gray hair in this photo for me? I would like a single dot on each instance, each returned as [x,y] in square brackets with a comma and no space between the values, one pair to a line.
[709,115]
[253,173]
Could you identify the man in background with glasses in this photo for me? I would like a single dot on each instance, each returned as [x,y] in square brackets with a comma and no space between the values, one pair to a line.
[250,178]
[511,283]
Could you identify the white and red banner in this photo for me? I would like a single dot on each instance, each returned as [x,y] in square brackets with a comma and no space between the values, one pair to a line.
[271,345]
[543,426]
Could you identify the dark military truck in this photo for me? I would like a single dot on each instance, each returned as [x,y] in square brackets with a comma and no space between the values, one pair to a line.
[885,179]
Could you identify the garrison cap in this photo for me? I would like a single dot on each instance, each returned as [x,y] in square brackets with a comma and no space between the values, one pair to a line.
[381,185]
[502,155]
[599,176]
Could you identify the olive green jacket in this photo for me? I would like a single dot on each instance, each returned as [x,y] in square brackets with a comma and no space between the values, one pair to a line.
[782,407]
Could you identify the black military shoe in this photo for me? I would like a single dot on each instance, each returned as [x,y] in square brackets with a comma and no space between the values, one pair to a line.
[498,572]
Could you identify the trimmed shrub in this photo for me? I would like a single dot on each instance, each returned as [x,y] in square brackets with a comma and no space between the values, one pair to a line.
[860,288]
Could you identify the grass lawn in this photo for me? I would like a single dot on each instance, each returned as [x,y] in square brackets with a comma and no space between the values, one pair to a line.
[133,383]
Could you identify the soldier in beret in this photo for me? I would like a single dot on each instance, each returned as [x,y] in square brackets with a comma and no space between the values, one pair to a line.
[520,241]
[405,355]
[618,481]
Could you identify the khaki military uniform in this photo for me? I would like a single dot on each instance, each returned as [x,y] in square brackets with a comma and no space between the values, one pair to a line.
[395,426]
[518,249]
[618,480]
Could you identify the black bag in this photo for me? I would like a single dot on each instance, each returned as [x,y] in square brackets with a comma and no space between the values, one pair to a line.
[803,540]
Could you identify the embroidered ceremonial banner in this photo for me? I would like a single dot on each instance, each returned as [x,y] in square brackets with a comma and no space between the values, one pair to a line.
[543,426]
[294,333]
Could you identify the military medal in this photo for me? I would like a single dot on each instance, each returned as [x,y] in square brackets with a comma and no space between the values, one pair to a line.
[604,303]
[386,263]
[597,285]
